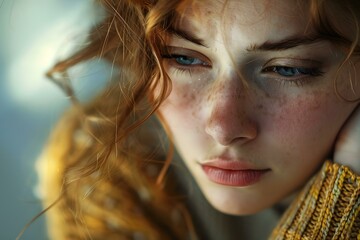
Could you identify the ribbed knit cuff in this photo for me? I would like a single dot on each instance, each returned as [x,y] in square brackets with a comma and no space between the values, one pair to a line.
[328,207]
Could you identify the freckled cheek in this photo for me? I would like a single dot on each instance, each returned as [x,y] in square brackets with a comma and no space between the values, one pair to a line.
[182,108]
[304,123]
[185,99]
[182,114]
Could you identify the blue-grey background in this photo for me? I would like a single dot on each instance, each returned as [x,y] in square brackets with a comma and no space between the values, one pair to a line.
[34,34]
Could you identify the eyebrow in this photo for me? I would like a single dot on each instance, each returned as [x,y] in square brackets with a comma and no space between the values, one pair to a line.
[184,34]
[284,44]
[288,43]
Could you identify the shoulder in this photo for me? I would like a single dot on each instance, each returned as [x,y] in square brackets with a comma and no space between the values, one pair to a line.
[328,206]
[59,153]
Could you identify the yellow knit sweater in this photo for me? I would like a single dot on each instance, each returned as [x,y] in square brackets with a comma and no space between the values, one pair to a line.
[327,208]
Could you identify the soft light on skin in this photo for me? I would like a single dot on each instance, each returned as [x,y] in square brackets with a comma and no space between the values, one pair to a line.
[269,122]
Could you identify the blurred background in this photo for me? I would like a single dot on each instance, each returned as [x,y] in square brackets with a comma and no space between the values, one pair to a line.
[34,34]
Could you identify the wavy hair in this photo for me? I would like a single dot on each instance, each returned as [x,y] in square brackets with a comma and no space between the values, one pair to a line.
[106,163]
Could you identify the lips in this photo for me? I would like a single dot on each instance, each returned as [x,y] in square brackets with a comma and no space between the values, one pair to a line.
[232,173]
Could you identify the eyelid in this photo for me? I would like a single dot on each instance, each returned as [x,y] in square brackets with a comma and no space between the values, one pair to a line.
[293,62]
[171,50]
[184,35]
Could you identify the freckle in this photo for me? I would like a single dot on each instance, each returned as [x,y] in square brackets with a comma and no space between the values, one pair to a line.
[260,106]
[316,105]
[300,103]
[282,101]
[192,96]
[315,99]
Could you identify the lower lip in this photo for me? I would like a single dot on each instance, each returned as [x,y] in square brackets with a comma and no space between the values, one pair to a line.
[238,178]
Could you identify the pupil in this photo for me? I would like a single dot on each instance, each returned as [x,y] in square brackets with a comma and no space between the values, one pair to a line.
[287,71]
[185,60]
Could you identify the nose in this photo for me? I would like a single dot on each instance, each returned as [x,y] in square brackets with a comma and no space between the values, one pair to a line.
[228,120]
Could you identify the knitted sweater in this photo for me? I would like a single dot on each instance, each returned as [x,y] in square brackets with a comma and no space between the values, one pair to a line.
[327,208]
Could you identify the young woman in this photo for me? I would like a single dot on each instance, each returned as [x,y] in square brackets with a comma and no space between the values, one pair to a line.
[259,98]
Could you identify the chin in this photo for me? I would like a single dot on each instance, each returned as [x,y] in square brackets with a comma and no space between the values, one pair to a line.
[236,209]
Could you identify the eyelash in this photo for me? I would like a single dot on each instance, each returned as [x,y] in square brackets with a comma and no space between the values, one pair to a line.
[185,68]
[306,73]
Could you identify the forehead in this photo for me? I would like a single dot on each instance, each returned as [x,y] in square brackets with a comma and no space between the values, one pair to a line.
[261,20]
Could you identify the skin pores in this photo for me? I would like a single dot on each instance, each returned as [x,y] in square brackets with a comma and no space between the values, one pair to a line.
[252,124]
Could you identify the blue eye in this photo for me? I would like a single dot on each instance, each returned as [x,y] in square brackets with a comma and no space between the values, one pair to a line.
[185,60]
[293,71]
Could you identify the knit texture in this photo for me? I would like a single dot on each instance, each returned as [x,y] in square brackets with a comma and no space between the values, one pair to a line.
[327,208]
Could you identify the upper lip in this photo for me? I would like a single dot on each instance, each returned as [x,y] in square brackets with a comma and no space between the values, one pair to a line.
[230,164]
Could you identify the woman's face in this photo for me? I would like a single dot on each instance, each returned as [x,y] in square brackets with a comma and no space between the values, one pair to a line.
[253,111]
